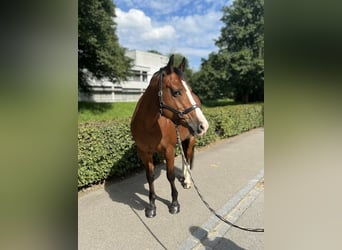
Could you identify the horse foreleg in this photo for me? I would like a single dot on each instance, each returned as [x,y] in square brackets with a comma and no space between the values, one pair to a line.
[191,151]
[147,159]
[188,149]
[170,160]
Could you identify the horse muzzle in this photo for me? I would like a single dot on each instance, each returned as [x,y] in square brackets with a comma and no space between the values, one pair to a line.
[198,128]
[199,125]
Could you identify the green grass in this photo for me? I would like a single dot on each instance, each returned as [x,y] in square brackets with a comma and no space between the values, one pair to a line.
[88,112]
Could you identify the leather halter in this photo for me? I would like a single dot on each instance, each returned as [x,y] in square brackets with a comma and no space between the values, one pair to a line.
[162,105]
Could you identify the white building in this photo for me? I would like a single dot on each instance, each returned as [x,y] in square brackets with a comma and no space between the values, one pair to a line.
[145,64]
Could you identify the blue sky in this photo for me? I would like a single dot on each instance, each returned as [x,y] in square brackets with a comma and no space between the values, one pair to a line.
[188,27]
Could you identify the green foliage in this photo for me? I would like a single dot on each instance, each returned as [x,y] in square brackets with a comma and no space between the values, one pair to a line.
[231,121]
[100,147]
[99,51]
[106,149]
[237,69]
[242,44]
[218,102]
[210,82]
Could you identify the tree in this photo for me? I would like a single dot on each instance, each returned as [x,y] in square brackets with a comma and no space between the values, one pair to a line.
[242,42]
[99,52]
[211,81]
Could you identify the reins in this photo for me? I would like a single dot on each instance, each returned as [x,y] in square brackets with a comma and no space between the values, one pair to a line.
[162,105]
[256,230]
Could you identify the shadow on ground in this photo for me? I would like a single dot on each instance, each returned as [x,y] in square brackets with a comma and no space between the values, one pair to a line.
[132,191]
[218,243]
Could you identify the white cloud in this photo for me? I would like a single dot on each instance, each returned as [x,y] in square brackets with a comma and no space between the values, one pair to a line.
[191,35]
[194,51]
[159,33]
[135,27]
[199,30]
[134,19]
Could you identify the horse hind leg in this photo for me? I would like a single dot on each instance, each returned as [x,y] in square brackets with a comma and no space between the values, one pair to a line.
[169,157]
[147,159]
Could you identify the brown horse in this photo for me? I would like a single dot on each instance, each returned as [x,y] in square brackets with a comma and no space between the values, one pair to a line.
[168,101]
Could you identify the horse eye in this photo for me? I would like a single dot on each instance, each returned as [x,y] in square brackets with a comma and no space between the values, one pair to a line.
[176,92]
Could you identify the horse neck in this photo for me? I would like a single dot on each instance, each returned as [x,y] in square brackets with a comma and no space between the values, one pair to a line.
[150,103]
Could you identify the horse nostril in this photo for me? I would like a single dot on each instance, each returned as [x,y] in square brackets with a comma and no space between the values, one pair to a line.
[200,127]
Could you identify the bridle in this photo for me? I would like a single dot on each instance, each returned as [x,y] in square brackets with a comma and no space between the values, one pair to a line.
[162,105]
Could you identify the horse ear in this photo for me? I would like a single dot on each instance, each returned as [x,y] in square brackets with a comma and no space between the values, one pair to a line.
[182,65]
[169,66]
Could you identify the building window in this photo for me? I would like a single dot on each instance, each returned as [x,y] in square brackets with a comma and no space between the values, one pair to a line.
[136,76]
[144,76]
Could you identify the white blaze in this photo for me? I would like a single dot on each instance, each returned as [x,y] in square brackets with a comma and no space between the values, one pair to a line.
[199,113]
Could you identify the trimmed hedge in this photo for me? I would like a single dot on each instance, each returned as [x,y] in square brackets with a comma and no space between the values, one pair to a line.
[107,149]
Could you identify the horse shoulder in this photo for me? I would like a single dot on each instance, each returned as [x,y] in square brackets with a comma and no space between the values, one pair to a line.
[168,131]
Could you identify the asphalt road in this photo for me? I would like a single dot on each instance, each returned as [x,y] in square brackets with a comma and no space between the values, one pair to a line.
[229,175]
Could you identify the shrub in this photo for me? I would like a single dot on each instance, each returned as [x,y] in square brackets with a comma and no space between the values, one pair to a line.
[232,120]
[107,149]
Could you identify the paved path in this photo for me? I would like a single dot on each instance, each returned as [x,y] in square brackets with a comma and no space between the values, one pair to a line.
[228,174]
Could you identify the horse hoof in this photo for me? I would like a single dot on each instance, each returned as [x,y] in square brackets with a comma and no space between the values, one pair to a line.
[150,212]
[174,208]
[186,185]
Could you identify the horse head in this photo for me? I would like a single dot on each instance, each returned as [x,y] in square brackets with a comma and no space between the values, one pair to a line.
[177,101]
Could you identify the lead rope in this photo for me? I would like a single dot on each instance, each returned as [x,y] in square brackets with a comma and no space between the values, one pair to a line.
[257,230]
